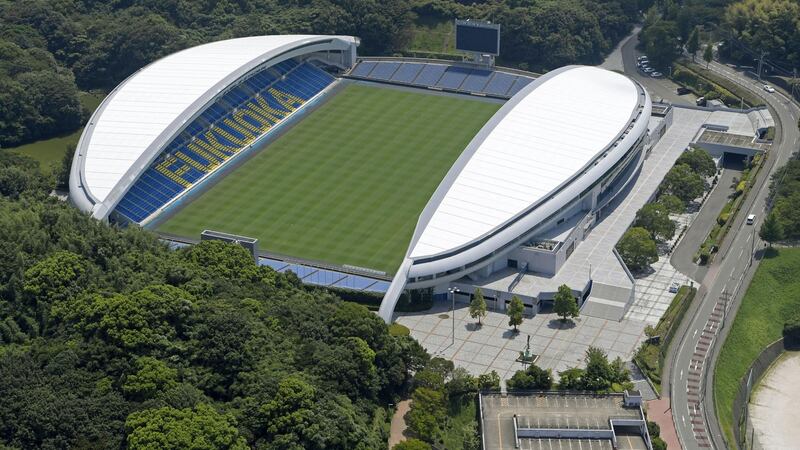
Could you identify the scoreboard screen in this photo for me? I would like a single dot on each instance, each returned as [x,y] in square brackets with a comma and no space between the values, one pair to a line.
[478,37]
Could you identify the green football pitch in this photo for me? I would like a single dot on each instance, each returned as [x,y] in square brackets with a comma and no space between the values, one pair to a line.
[347,183]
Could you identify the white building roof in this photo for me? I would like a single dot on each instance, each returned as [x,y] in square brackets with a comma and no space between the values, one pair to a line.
[536,142]
[134,116]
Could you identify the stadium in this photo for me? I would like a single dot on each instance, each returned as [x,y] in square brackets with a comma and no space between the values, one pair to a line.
[368,170]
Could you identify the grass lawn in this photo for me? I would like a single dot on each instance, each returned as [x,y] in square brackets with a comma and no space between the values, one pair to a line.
[347,183]
[432,35]
[773,295]
[51,151]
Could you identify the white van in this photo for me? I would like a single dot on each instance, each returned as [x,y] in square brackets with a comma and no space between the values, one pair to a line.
[751,219]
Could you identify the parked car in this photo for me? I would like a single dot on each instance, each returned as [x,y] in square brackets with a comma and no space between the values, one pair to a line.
[769,89]
[682,90]
[647,69]
[642,58]
[673,288]
[656,74]
[700,101]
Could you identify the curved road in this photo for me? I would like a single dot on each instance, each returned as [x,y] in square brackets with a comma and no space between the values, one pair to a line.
[688,375]
[692,360]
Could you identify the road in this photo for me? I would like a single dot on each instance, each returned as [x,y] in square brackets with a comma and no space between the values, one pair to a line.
[688,375]
[659,89]
[692,359]
[683,255]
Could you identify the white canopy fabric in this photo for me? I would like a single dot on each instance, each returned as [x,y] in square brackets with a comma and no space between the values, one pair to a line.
[541,141]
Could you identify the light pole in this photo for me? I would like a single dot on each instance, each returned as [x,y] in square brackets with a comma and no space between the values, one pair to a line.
[452,292]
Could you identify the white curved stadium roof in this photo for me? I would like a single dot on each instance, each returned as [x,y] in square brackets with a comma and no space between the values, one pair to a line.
[536,142]
[133,118]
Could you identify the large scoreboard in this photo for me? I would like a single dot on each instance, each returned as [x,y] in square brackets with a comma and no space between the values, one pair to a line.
[478,37]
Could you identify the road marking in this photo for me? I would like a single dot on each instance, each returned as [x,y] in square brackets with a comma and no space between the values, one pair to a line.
[695,333]
[740,254]
[681,374]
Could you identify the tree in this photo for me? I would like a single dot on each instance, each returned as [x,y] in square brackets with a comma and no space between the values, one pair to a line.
[290,411]
[598,374]
[693,42]
[532,378]
[148,320]
[460,383]
[477,307]
[571,379]
[654,217]
[151,377]
[682,182]
[564,303]
[515,310]
[699,160]
[412,444]
[55,279]
[637,249]
[708,54]
[489,381]
[661,43]
[673,204]
[427,413]
[430,379]
[771,230]
[168,428]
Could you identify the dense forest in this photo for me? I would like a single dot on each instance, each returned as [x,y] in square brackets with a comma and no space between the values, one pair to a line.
[49,49]
[108,339]
[768,27]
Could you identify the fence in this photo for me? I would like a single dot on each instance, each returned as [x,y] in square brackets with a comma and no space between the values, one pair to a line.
[742,427]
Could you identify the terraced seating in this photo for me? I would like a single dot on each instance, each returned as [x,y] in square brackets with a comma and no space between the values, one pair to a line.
[234,121]
[461,78]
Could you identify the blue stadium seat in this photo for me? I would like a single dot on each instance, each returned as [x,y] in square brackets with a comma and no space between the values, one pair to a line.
[453,77]
[407,72]
[520,83]
[384,70]
[363,69]
[430,74]
[476,81]
[179,167]
[500,83]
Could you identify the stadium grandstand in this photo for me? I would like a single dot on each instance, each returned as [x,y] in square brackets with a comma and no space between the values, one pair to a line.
[443,75]
[178,120]
[373,174]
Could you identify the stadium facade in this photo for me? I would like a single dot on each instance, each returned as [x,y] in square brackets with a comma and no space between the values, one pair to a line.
[521,196]
[531,182]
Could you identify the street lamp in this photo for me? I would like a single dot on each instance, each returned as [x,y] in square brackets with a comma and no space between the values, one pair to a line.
[452,292]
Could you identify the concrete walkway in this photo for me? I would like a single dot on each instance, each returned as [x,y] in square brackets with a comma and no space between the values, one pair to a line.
[398,428]
[659,411]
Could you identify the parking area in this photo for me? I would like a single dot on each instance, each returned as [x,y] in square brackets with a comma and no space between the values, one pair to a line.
[558,412]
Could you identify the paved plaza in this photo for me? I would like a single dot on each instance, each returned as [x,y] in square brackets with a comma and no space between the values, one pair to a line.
[494,346]
[561,346]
